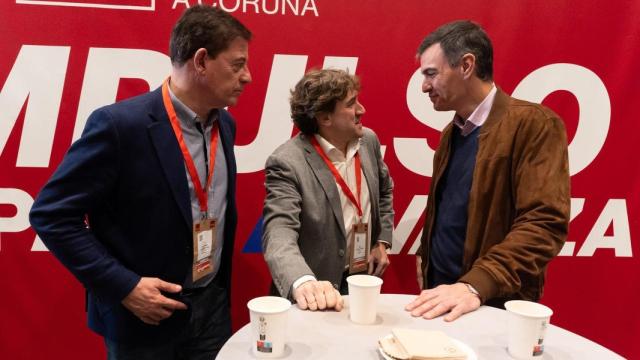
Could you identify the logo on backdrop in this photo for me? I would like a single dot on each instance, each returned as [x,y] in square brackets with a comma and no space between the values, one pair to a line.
[37,79]
[146,5]
[266,7]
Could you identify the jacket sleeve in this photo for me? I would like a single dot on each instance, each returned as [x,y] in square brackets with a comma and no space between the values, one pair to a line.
[85,177]
[386,196]
[281,225]
[541,193]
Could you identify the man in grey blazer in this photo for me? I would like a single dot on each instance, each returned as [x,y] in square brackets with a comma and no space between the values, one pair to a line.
[328,210]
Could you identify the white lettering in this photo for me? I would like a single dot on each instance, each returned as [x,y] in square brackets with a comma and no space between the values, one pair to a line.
[105,68]
[415,154]
[176,2]
[293,8]
[22,201]
[347,64]
[593,101]
[227,9]
[38,245]
[310,5]
[284,7]
[270,12]
[275,123]
[37,77]
[252,2]
[406,225]
[615,213]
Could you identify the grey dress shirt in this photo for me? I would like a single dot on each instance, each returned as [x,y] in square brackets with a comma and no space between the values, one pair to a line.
[198,141]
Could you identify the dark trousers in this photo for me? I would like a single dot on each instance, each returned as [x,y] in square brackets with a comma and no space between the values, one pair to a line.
[208,329]
[344,286]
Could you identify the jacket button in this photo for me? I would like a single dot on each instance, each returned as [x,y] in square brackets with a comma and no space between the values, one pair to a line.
[341,252]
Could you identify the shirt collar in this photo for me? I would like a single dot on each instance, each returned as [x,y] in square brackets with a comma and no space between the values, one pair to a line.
[188,116]
[333,153]
[479,115]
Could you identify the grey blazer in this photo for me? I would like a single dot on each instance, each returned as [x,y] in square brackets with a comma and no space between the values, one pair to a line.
[303,231]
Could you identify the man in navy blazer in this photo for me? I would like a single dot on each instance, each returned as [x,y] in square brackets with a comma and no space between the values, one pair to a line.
[125,210]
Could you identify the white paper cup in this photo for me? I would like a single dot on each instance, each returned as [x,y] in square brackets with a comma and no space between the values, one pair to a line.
[526,326]
[363,298]
[268,316]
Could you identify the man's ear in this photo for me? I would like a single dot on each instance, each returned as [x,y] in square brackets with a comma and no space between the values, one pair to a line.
[468,65]
[199,60]
[323,119]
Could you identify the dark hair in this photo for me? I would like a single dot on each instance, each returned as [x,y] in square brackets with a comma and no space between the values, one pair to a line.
[318,92]
[461,37]
[206,27]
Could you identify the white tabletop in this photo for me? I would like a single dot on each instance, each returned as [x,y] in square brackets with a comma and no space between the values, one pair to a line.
[331,335]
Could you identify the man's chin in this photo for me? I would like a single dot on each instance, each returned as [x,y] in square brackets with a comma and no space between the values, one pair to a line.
[232,101]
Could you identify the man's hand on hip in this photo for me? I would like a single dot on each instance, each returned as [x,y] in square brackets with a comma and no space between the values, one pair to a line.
[318,295]
[147,302]
[455,299]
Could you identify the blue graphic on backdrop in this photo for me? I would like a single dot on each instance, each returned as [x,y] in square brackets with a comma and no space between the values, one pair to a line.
[254,243]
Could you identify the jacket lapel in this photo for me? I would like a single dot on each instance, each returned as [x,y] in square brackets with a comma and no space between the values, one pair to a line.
[326,180]
[500,103]
[227,138]
[367,168]
[170,157]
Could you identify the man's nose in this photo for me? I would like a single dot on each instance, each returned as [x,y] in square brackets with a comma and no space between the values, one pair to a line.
[426,86]
[360,110]
[245,77]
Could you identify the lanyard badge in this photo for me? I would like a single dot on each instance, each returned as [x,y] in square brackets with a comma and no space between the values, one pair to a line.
[204,241]
[204,230]
[360,243]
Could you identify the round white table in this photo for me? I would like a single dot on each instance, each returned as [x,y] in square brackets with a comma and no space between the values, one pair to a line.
[331,335]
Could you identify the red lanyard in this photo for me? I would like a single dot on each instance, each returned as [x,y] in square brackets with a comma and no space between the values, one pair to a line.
[338,177]
[191,166]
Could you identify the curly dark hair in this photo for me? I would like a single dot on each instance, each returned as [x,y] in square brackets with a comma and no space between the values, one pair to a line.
[206,27]
[318,92]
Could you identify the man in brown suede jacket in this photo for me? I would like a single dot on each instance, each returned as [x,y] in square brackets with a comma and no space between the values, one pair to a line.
[498,208]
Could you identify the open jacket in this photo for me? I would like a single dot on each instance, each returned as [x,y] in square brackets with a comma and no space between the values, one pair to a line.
[519,202]
[126,175]
[303,231]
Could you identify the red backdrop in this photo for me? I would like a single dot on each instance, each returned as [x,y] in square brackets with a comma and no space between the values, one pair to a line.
[61,59]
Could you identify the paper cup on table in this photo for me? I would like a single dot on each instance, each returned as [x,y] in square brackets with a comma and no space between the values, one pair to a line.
[268,316]
[526,326]
[363,298]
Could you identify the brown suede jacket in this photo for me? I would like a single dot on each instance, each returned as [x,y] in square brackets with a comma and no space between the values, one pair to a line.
[518,204]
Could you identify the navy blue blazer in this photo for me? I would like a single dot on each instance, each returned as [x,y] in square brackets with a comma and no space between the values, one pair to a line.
[126,175]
